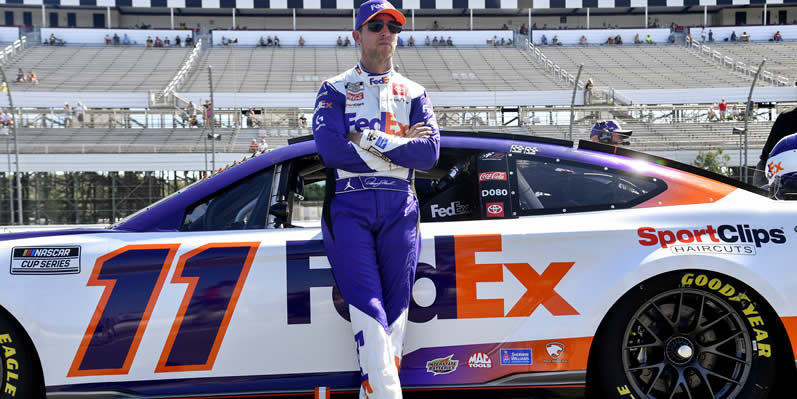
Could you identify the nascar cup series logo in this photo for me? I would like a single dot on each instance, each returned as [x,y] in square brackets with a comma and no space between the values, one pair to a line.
[442,366]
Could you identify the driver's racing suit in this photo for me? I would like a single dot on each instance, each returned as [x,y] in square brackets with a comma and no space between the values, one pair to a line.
[371,212]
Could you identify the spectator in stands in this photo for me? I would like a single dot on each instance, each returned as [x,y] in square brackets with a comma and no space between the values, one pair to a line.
[435,25]
[711,115]
[347,42]
[253,146]
[710,36]
[723,106]
[504,27]
[32,78]
[671,38]
[609,40]
[81,113]
[177,41]
[166,41]
[208,113]
[502,42]
[189,40]
[733,113]
[583,40]
[733,36]
[648,39]
[400,42]
[555,41]
[509,42]
[777,37]
[702,34]
[263,147]
[20,76]
[435,42]
[158,41]
[52,39]
[262,42]
[524,30]
[108,39]
[192,121]
[126,40]
[411,42]
[116,39]
[224,41]
[544,40]
[276,41]
[67,115]
[636,39]
[7,119]
[149,41]
[302,121]
[618,39]
[745,37]
[301,41]
[340,41]
[250,117]
[427,42]
[269,42]
[588,92]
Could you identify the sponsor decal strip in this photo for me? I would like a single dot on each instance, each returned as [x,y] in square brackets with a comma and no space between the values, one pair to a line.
[472,364]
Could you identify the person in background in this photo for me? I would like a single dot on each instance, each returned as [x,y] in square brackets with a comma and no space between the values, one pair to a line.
[301,41]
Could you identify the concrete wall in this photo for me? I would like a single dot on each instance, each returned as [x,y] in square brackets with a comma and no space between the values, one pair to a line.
[757,33]
[599,36]
[97,36]
[329,38]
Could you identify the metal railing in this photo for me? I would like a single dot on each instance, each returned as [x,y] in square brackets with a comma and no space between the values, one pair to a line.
[164,97]
[734,65]
[556,71]
[12,50]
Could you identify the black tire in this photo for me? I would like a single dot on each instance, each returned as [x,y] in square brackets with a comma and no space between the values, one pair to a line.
[20,369]
[686,334]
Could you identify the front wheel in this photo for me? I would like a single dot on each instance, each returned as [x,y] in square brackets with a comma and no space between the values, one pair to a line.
[685,335]
[19,369]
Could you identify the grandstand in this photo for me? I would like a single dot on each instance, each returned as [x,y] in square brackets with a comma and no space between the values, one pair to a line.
[645,67]
[437,69]
[781,57]
[84,68]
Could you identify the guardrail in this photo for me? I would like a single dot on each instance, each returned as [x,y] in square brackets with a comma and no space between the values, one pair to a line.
[734,65]
[13,49]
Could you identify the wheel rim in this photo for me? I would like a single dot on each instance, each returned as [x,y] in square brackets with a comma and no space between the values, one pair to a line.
[687,344]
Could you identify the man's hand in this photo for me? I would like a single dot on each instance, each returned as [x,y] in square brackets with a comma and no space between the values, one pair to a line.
[419,131]
[354,137]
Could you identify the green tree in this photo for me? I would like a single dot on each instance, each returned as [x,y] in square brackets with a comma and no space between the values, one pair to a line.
[716,162]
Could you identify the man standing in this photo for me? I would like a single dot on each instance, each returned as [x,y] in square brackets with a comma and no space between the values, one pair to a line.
[723,108]
[372,128]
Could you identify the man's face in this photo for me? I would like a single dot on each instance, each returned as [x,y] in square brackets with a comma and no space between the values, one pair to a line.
[376,44]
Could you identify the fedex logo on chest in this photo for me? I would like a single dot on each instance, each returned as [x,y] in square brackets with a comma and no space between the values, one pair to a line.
[385,123]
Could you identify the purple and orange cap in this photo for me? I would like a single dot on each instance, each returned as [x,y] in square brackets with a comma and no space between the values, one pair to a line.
[372,8]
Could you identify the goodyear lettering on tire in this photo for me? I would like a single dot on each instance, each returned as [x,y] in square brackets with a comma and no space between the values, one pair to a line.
[11,378]
[730,293]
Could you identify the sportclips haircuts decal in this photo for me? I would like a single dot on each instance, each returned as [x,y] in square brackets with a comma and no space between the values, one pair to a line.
[455,276]
[723,239]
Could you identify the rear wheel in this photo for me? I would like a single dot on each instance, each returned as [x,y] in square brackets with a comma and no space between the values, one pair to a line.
[685,335]
[20,370]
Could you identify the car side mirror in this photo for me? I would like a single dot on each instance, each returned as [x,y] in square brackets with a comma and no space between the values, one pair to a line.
[281,212]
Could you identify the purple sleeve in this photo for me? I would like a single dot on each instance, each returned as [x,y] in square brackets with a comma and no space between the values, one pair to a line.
[329,131]
[419,153]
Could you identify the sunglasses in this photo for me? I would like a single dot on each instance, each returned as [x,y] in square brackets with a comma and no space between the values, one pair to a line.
[376,26]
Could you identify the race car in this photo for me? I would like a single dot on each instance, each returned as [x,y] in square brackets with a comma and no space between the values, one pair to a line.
[545,263]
